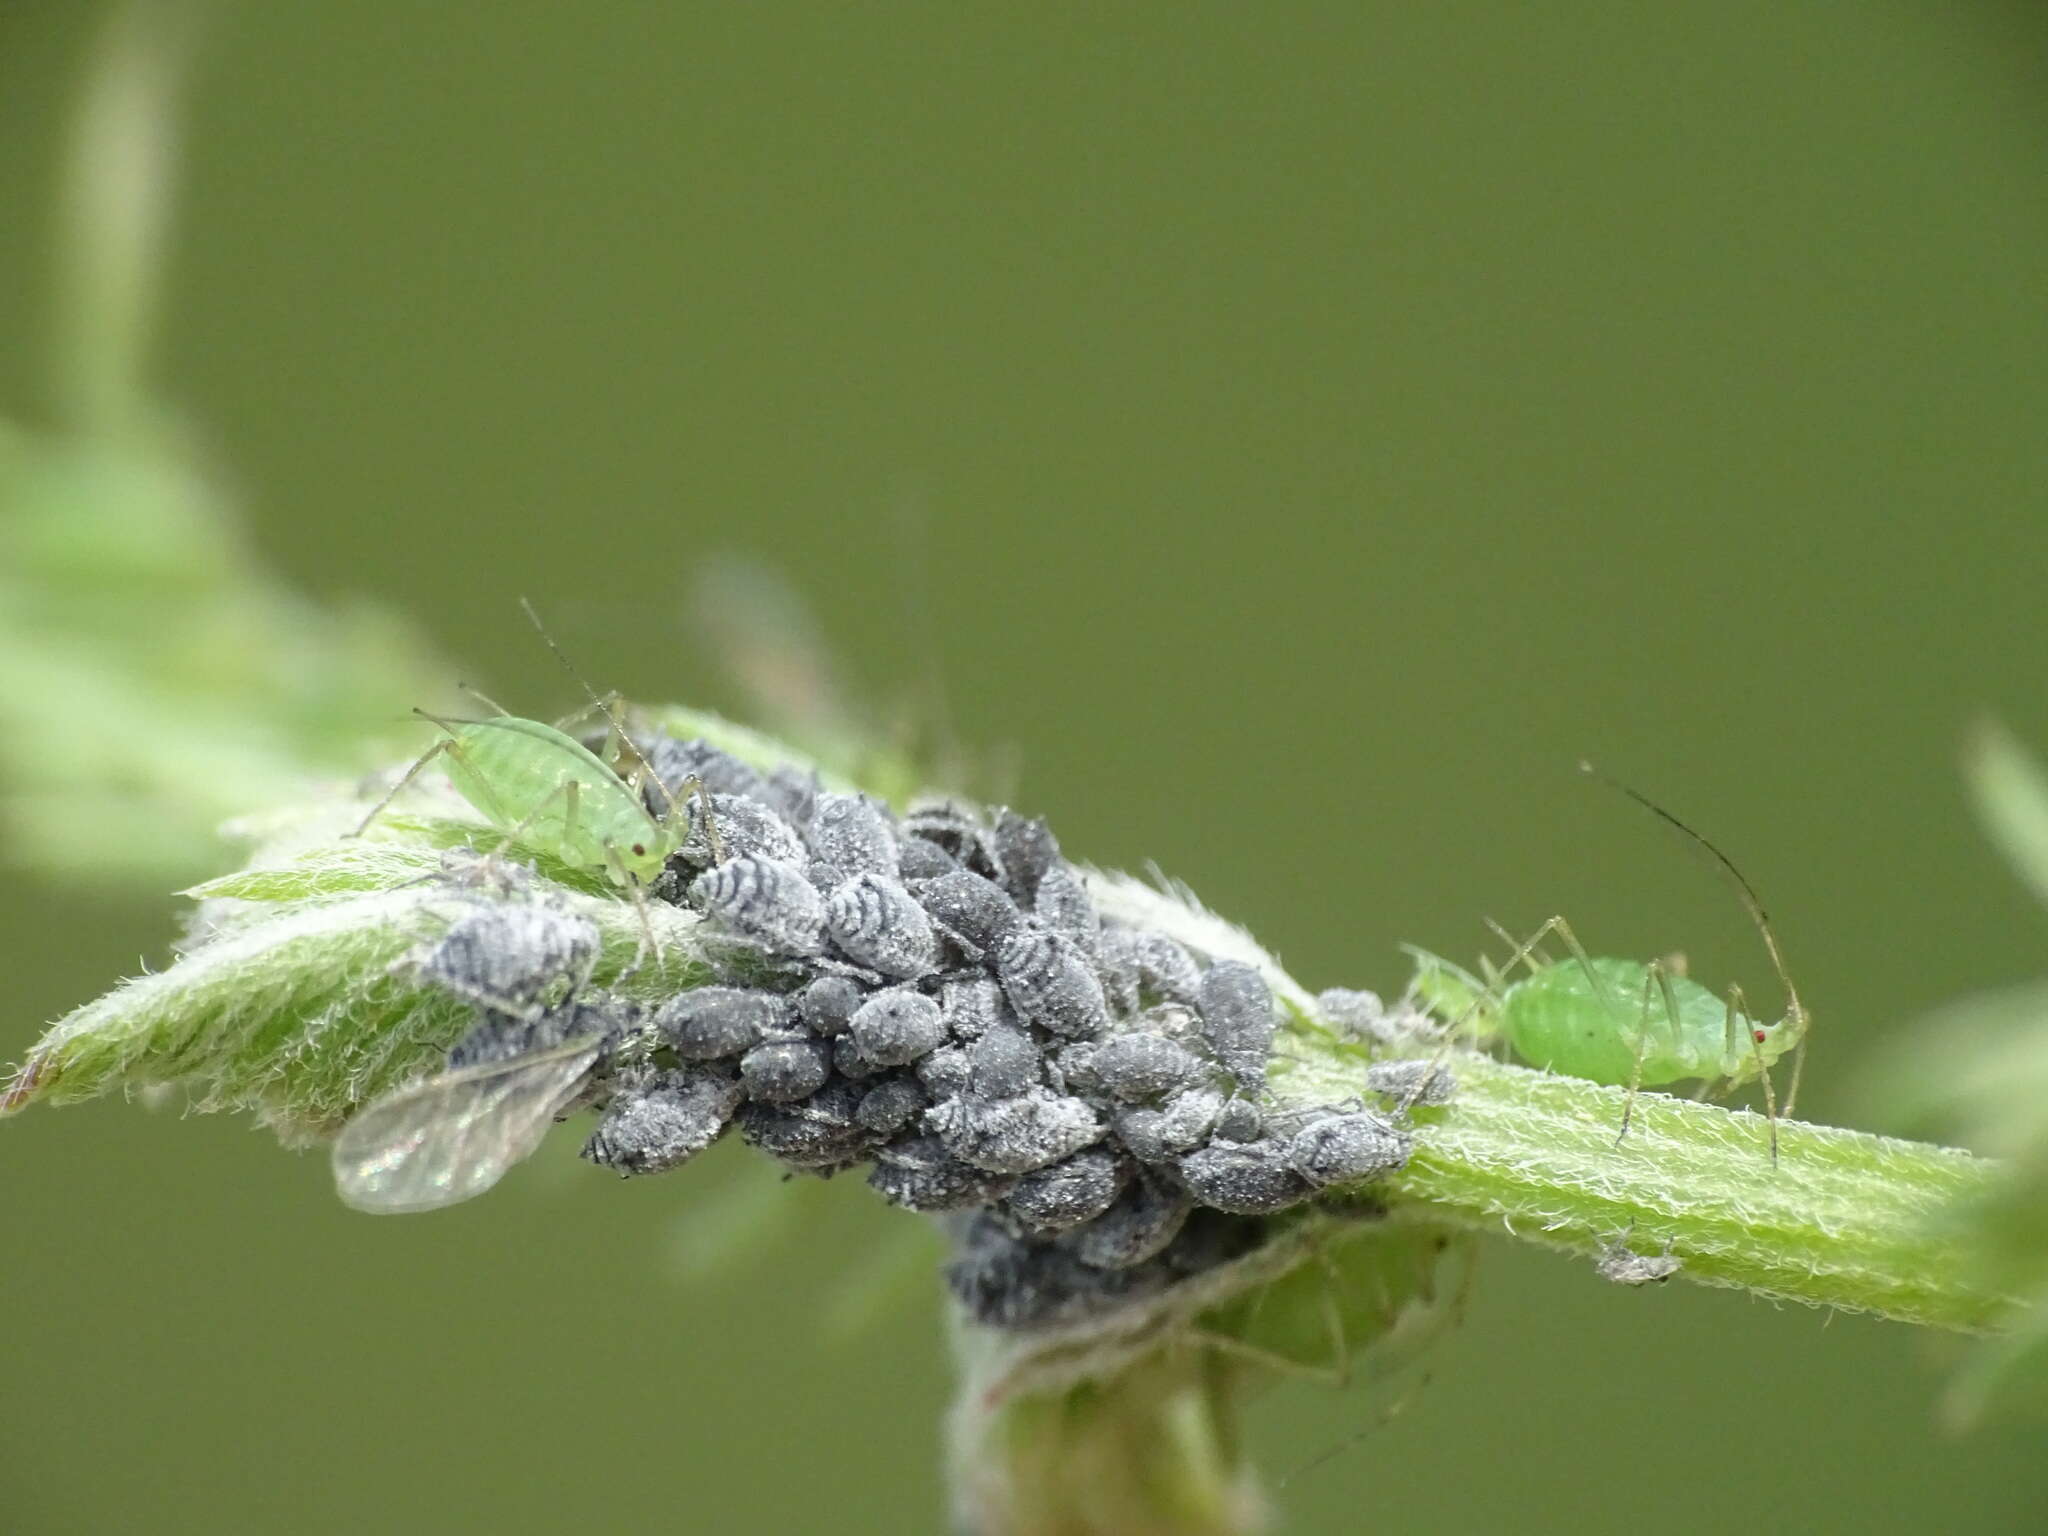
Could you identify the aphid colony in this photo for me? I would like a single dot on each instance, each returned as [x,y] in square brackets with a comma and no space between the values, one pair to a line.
[933,996]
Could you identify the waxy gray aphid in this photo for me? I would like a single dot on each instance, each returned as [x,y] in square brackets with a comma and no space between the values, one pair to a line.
[877,923]
[971,910]
[502,1037]
[794,791]
[1027,849]
[1237,1016]
[920,859]
[674,763]
[1144,1219]
[658,1120]
[711,1023]
[895,1027]
[1160,1135]
[847,1060]
[1347,1148]
[1238,1120]
[827,1004]
[1140,1066]
[975,1007]
[783,1071]
[1246,1179]
[854,835]
[1075,1190]
[1361,1015]
[517,958]
[1062,904]
[922,1175]
[1071,1068]
[746,829]
[892,1106]
[1050,983]
[947,1072]
[954,826]
[1624,1266]
[766,901]
[824,1131]
[1003,1063]
[1412,1082]
[1166,971]
[1003,1281]
[1017,1135]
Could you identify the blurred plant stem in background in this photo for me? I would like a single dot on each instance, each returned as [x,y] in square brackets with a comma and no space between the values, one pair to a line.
[155,679]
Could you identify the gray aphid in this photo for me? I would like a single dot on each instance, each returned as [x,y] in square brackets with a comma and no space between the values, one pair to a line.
[501,1036]
[794,791]
[1624,1266]
[1062,903]
[517,958]
[711,1023]
[1143,1133]
[1238,1120]
[1346,1148]
[1050,983]
[674,763]
[746,829]
[1140,1066]
[1247,1179]
[921,1175]
[972,911]
[1361,1015]
[877,923]
[896,1026]
[1017,1135]
[783,1071]
[892,1106]
[1160,1135]
[1073,1065]
[1003,1281]
[1145,1218]
[1003,1063]
[658,1120]
[828,1003]
[921,859]
[823,1131]
[973,1008]
[1237,1016]
[947,1072]
[1070,1192]
[954,826]
[765,900]
[1412,1082]
[1165,969]
[854,835]
[1027,849]
[847,1060]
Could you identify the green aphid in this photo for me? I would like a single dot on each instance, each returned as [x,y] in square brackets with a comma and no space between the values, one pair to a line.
[552,793]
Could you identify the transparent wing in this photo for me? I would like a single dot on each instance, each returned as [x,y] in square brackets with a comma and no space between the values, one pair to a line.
[451,1137]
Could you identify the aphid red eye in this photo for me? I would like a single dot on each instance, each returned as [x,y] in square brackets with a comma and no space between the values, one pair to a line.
[641,848]
[1762,1035]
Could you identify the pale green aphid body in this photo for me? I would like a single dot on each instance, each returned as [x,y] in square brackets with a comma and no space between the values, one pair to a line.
[535,783]
[1612,1021]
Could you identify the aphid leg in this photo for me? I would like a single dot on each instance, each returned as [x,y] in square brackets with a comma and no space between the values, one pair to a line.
[419,764]
[648,945]
[1655,974]
[1737,1014]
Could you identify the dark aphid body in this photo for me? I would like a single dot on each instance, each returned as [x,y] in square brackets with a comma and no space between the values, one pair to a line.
[1412,1082]
[877,923]
[673,765]
[1027,849]
[969,909]
[1069,1193]
[896,1027]
[712,1023]
[922,1175]
[892,1106]
[746,829]
[921,859]
[517,958]
[658,1120]
[1346,1149]
[1003,1063]
[783,1071]
[824,1131]
[1141,1066]
[852,835]
[1247,1179]
[1237,1015]
[1017,1135]
[1143,1220]
[1051,984]
[766,901]
[1062,904]
[827,1005]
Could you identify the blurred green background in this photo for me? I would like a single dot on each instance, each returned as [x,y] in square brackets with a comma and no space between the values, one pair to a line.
[1301,432]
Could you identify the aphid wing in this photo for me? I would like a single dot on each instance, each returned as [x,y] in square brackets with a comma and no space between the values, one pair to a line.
[451,1137]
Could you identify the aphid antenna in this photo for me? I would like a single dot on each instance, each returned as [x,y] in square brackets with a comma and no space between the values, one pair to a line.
[1752,903]
[469,690]
[606,705]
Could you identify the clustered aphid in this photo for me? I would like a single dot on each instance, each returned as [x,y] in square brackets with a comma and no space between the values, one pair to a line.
[934,996]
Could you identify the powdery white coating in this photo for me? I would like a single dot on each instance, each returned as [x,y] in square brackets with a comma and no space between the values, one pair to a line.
[1624,1266]
[1361,1015]
[766,901]
[1070,1192]
[1237,1016]
[672,764]
[921,1175]
[921,859]
[1050,983]
[1145,1218]
[947,1072]
[501,1037]
[1246,1179]
[794,791]
[1063,905]
[847,1060]
[973,1008]
[1412,1082]
[1160,1135]
[1343,1149]
[1073,1067]
[877,923]
[895,1027]
[746,828]
[1016,1135]
[892,1106]
[783,1071]
[1140,1065]
[516,957]
[972,911]
[1027,849]
[1239,1120]
[658,1120]
[854,835]
[711,1023]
